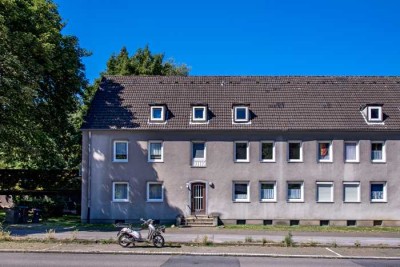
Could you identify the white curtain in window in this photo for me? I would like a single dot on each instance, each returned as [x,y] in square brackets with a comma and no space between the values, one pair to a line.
[351,151]
[267,191]
[155,150]
[324,192]
[121,191]
[376,151]
[351,192]
[240,191]
[377,191]
[155,191]
[294,191]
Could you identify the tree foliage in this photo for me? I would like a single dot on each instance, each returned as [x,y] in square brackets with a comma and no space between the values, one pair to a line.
[41,79]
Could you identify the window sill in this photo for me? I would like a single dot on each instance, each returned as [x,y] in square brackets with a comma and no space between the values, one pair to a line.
[120,161]
[378,201]
[155,201]
[325,202]
[295,201]
[155,161]
[295,161]
[241,201]
[378,161]
[352,202]
[268,201]
[120,201]
[241,161]
[325,161]
[351,161]
[268,161]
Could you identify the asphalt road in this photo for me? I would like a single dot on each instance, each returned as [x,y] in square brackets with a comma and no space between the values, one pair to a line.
[100,260]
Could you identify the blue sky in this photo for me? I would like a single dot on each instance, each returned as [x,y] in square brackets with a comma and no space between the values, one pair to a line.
[270,37]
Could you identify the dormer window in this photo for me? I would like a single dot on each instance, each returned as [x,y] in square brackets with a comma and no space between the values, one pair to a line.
[375,113]
[241,113]
[157,113]
[199,113]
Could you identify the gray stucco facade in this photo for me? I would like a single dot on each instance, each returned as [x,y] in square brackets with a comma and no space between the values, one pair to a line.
[221,171]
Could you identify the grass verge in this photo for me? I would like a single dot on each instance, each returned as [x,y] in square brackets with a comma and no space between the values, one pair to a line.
[301,228]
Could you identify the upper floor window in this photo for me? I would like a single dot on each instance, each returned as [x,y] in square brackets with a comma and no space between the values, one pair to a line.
[157,113]
[198,154]
[351,151]
[267,151]
[155,151]
[378,151]
[241,113]
[375,113]
[120,151]
[295,151]
[325,151]
[199,114]
[241,153]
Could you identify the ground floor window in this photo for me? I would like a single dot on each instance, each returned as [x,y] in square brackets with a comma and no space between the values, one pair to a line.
[324,192]
[241,191]
[351,192]
[155,192]
[378,192]
[267,191]
[295,192]
[120,191]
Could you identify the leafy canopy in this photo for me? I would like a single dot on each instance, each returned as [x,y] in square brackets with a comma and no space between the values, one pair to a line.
[41,79]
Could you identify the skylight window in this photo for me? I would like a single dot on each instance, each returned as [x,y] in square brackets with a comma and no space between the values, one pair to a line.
[241,114]
[157,113]
[199,113]
[375,113]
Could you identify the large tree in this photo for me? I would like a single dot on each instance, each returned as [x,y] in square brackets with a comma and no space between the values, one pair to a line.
[41,80]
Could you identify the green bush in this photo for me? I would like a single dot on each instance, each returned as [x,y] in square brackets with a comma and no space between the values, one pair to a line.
[49,206]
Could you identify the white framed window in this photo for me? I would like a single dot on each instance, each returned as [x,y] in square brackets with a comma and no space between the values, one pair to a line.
[241,151]
[199,114]
[324,192]
[155,192]
[295,151]
[198,154]
[351,151]
[378,192]
[120,192]
[157,113]
[267,151]
[295,192]
[155,151]
[351,192]
[241,191]
[241,114]
[120,151]
[375,113]
[378,152]
[325,151]
[268,191]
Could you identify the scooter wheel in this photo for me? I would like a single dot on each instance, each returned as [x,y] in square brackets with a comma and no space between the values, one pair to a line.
[123,240]
[158,241]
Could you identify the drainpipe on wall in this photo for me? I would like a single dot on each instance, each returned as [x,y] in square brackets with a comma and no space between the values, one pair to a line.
[89,181]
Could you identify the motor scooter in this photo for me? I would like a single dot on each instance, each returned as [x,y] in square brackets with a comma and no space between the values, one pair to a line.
[128,236]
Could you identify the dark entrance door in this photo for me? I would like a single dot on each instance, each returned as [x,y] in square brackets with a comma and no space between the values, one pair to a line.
[198,198]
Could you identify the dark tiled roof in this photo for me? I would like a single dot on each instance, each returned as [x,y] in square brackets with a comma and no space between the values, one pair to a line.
[277,102]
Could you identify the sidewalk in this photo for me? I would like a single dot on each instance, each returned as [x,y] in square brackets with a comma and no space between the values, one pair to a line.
[228,236]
